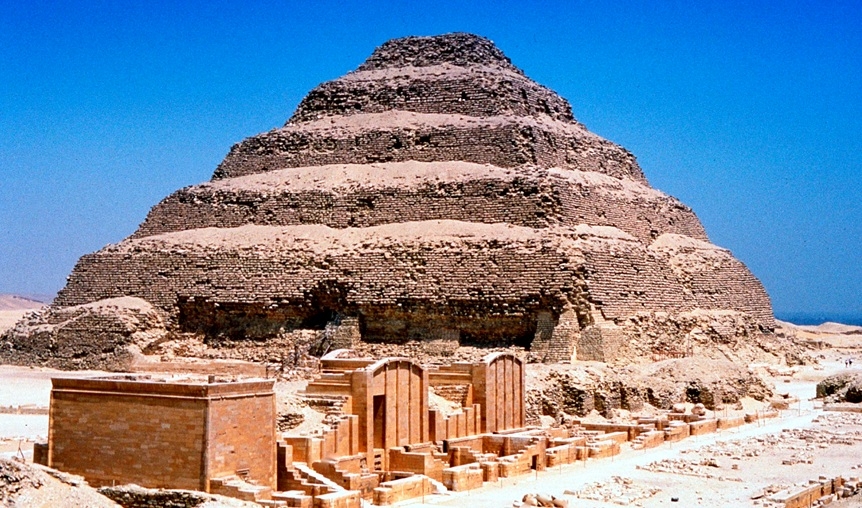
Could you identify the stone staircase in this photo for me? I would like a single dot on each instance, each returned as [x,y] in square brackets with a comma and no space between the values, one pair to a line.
[301,477]
[318,478]
[235,487]
[441,489]
[354,480]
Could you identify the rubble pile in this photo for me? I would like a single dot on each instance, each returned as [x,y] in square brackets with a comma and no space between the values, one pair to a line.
[702,468]
[841,387]
[578,390]
[619,490]
[545,500]
[29,485]
[803,442]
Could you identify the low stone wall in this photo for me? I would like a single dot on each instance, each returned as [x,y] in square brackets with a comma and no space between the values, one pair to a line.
[414,462]
[632,429]
[602,449]
[649,439]
[466,477]
[818,492]
[618,437]
[703,427]
[677,431]
[729,422]
[564,454]
[346,499]
[845,407]
[760,415]
[395,491]
[294,498]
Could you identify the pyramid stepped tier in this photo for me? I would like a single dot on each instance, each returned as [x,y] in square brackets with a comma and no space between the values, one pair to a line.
[458,74]
[351,195]
[458,49]
[476,277]
[433,198]
[443,89]
[713,277]
[504,141]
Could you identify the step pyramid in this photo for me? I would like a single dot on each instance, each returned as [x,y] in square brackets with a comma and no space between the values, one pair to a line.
[438,197]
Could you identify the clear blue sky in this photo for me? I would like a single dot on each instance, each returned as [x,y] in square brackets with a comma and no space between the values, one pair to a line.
[749,112]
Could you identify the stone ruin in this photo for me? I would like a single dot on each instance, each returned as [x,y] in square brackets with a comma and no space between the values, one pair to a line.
[385,442]
[389,436]
[434,198]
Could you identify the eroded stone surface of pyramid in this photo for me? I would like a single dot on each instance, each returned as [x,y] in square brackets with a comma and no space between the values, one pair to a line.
[435,198]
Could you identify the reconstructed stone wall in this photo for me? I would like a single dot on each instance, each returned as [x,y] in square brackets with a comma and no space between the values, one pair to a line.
[555,341]
[100,437]
[161,435]
[242,436]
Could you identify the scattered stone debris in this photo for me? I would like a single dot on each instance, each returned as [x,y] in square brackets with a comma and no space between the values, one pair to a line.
[619,490]
[546,500]
[133,496]
[28,485]
[702,468]
[14,477]
[804,442]
[837,421]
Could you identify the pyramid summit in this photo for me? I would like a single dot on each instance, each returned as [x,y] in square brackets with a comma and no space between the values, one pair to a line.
[432,201]
[461,49]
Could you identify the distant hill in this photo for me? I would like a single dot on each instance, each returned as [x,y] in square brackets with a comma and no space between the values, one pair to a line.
[18,302]
[834,328]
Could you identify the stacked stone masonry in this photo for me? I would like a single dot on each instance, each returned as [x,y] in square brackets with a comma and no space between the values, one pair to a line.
[436,195]
[343,196]
[155,434]
[507,143]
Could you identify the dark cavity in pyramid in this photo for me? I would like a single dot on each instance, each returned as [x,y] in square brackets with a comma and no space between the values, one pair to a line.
[435,197]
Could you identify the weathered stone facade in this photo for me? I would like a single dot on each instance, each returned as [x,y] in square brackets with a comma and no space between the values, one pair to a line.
[434,195]
[158,434]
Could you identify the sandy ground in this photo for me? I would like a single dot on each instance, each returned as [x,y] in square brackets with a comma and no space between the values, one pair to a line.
[30,387]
